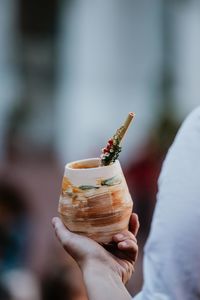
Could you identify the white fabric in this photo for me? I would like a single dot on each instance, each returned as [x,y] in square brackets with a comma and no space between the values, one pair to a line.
[172,252]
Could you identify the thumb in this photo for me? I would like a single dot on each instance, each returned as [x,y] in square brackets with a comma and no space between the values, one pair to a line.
[69,240]
[134,224]
[62,233]
[78,246]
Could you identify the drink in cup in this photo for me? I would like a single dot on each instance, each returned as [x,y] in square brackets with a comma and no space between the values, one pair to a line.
[95,200]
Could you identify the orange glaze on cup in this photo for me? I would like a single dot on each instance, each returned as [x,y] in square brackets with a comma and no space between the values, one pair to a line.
[98,211]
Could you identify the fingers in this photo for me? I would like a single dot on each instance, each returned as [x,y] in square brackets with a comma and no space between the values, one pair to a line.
[78,246]
[134,224]
[126,248]
[126,240]
[124,235]
[133,229]
[130,249]
[127,243]
[69,240]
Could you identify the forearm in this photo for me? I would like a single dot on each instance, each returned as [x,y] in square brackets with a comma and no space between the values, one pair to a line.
[103,283]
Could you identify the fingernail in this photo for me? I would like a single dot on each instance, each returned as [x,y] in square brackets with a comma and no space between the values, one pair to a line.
[123,244]
[119,236]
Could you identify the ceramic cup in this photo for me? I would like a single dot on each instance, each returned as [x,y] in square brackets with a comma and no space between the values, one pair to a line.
[95,200]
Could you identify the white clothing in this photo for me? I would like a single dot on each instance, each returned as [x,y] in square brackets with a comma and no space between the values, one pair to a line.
[172,252]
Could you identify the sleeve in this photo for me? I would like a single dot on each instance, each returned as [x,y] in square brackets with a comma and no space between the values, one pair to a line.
[172,256]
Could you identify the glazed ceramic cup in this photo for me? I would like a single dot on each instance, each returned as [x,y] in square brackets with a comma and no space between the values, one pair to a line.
[95,201]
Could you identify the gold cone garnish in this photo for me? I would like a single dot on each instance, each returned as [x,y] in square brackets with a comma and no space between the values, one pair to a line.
[111,152]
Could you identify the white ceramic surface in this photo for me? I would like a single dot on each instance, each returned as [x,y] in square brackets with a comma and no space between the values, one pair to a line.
[95,201]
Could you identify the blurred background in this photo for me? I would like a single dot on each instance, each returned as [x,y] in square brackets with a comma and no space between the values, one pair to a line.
[70,71]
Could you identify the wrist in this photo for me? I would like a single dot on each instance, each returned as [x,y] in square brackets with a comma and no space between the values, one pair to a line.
[100,279]
[96,268]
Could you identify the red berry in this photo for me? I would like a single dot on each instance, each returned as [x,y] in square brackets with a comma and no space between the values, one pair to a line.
[110,142]
[108,147]
[104,150]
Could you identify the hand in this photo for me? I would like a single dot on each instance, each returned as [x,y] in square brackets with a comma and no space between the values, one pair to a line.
[86,252]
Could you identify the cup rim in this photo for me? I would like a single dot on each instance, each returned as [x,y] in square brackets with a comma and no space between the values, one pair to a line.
[68,165]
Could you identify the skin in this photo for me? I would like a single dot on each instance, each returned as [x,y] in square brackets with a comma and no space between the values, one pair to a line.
[105,269]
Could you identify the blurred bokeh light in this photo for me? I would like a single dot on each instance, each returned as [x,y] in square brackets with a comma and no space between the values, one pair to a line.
[70,71]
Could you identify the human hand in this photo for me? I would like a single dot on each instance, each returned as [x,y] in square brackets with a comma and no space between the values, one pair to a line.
[120,257]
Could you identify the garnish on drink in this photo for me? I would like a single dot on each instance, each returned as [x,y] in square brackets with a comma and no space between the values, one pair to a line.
[111,152]
[95,199]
